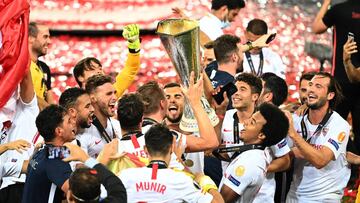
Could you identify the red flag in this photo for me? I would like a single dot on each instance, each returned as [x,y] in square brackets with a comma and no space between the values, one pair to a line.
[14,51]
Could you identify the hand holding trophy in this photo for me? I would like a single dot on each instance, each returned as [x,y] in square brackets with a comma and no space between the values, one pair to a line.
[180,38]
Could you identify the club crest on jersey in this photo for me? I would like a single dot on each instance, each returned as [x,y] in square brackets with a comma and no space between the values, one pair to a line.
[239,171]
[341,137]
[233,180]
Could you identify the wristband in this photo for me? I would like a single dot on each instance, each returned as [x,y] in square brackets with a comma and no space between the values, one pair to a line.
[206,183]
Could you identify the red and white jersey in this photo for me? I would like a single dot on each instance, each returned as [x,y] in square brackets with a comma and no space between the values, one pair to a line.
[174,163]
[161,185]
[246,173]
[133,144]
[22,127]
[91,140]
[328,183]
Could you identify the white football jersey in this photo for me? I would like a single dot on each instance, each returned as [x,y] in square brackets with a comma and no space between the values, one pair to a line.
[328,183]
[91,140]
[227,134]
[196,158]
[272,63]
[174,163]
[267,190]
[211,26]
[22,127]
[246,173]
[161,185]
[133,144]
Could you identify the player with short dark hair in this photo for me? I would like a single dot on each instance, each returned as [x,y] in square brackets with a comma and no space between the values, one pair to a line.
[246,173]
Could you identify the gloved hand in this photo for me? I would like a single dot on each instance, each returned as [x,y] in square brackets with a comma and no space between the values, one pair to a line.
[205,182]
[131,34]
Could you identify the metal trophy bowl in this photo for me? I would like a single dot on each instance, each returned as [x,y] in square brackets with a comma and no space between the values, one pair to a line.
[181,40]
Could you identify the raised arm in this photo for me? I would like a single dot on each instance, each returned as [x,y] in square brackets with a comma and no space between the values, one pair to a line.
[127,75]
[318,25]
[207,139]
[352,72]
[27,92]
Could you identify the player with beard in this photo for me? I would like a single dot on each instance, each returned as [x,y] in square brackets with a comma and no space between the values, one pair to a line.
[318,140]
[175,98]
[47,178]
[77,103]
[39,41]
[156,107]
[304,84]
[103,128]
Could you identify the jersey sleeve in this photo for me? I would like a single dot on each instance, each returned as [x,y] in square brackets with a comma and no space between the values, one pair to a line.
[241,175]
[337,138]
[192,193]
[330,17]
[127,75]
[281,148]
[58,171]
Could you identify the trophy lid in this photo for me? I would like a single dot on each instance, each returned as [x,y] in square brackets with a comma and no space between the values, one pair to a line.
[174,27]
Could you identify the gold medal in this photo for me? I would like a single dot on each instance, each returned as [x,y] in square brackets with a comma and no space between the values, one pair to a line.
[189,163]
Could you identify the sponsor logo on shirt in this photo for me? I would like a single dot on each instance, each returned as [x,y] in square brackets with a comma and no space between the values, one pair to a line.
[233,180]
[97,142]
[150,186]
[282,144]
[334,143]
[227,130]
[341,137]
[13,160]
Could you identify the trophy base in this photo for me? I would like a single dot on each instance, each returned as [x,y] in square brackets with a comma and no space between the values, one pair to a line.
[190,124]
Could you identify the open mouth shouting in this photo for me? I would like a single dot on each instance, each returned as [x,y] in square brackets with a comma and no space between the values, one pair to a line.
[112,107]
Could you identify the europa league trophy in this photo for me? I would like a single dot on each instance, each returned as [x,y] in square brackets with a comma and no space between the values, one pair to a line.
[180,38]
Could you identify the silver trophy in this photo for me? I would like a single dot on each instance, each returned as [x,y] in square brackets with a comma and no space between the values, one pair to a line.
[181,40]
